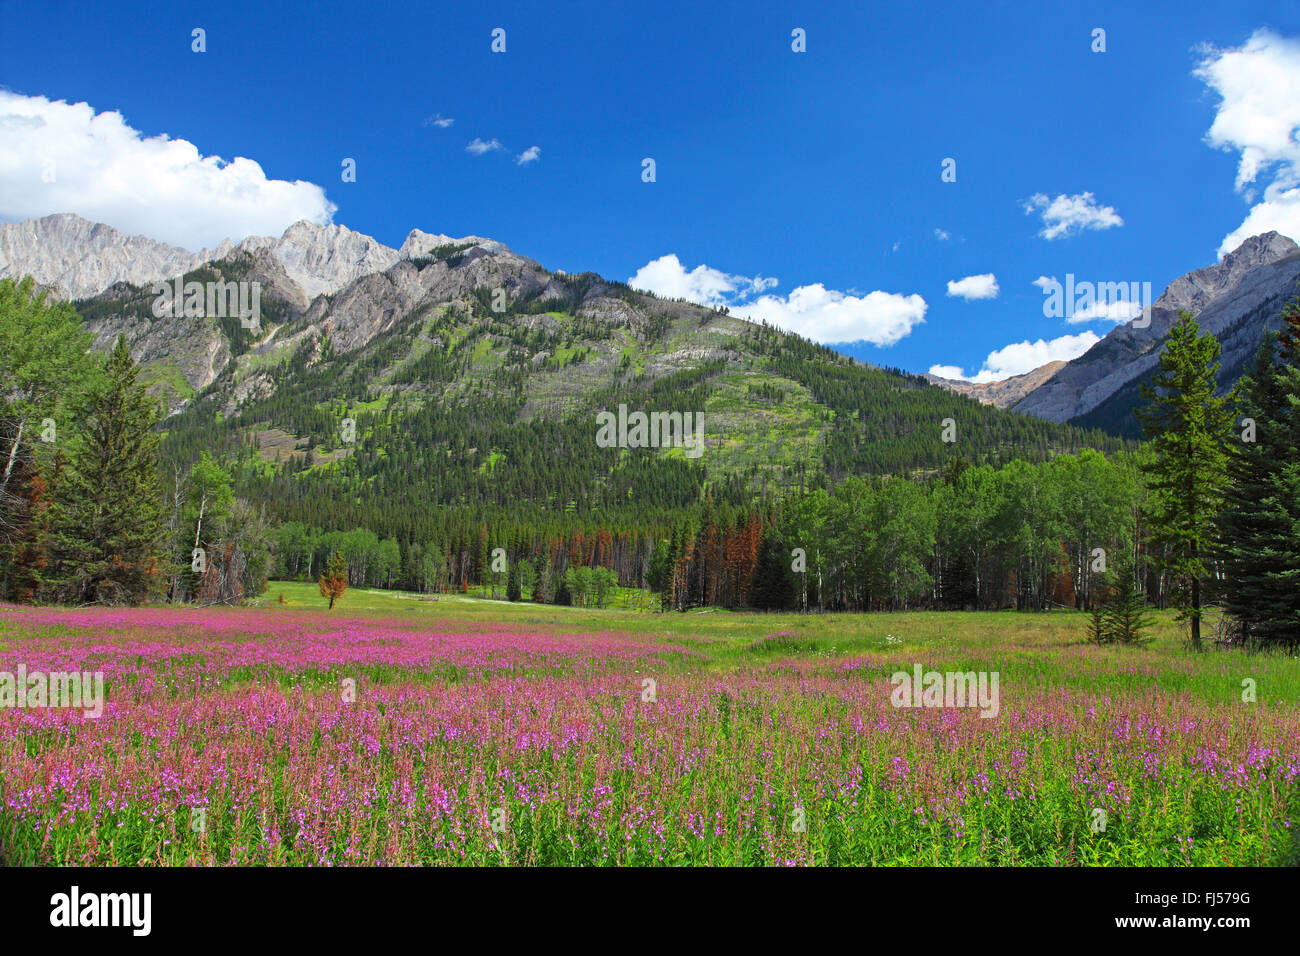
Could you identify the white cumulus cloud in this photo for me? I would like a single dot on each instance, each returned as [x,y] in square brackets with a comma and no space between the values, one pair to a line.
[479,146]
[1069,215]
[948,371]
[1021,357]
[943,235]
[667,277]
[57,156]
[828,316]
[983,286]
[531,155]
[813,311]
[1258,116]
[438,120]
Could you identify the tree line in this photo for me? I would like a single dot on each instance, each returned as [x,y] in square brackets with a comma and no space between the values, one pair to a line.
[1206,510]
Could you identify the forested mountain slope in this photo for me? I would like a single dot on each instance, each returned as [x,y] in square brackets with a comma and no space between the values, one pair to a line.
[458,373]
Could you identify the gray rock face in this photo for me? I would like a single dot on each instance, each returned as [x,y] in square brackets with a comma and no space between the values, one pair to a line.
[316,282]
[372,304]
[195,351]
[81,258]
[432,276]
[419,244]
[1234,299]
[1196,290]
[193,347]
[323,259]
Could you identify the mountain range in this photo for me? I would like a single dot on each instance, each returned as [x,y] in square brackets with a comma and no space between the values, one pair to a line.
[472,374]
[82,258]
[329,283]
[1236,299]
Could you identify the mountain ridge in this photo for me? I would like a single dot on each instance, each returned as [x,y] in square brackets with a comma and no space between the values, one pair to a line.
[1252,282]
[81,259]
[1004,392]
[331,284]
[462,361]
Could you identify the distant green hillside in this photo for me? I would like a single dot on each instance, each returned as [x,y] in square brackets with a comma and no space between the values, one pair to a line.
[457,405]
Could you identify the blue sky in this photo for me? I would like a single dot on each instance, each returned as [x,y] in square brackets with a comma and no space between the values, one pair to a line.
[802,186]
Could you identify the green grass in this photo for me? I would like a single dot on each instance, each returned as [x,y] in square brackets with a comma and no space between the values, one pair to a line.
[168,376]
[1025,643]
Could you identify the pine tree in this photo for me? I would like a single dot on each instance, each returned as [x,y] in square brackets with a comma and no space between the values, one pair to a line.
[1125,616]
[773,588]
[1188,427]
[542,590]
[334,579]
[1098,632]
[482,560]
[1255,528]
[514,582]
[1286,577]
[660,573]
[107,527]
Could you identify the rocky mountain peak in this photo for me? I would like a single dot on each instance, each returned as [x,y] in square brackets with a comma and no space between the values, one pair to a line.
[324,258]
[81,258]
[1235,300]
[1196,290]
[419,243]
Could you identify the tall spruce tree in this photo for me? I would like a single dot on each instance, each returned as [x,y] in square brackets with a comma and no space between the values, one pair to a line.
[1286,575]
[107,534]
[1255,527]
[659,576]
[1188,426]
[515,581]
[773,587]
[1125,618]
[1098,632]
[543,590]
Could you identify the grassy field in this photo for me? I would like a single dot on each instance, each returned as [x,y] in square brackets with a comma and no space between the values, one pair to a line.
[399,729]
